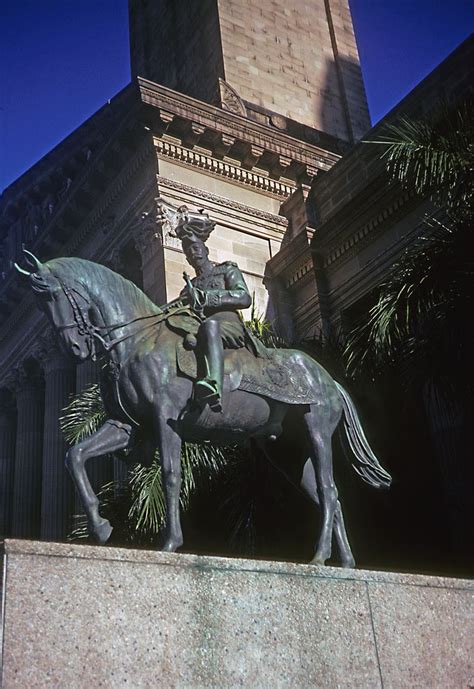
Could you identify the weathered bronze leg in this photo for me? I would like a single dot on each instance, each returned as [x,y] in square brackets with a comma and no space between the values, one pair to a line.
[321,456]
[211,367]
[309,485]
[169,446]
[112,436]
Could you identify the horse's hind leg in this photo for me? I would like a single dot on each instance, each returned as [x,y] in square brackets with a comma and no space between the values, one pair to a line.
[309,485]
[112,436]
[320,427]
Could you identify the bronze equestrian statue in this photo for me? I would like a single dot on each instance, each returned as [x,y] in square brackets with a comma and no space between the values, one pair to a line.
[190,371]
[216,294]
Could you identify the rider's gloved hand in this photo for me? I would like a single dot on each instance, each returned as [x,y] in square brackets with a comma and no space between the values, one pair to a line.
[197,299]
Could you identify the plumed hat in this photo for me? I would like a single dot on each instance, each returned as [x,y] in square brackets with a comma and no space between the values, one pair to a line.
[185,224]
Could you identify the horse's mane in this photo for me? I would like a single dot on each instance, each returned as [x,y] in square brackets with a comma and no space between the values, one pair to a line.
[94,277]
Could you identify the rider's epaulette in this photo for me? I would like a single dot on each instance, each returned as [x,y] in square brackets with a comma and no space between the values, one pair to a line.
[224,266]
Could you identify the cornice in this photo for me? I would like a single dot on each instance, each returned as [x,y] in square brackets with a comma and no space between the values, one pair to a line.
[294,260]
[367,229]
[96,126]
[231,124]
[359,283]
[115,191]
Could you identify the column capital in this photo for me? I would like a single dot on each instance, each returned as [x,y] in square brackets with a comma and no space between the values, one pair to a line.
[50,355]
[149,230]
[115,260]
[25,376]
[7,402]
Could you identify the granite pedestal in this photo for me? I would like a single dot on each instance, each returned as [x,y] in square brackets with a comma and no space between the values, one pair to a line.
[83,616]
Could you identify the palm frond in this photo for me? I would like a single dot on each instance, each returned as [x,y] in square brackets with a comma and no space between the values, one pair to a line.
[200,463]
[423,292]
[148,507]
[434,155]
[83,415]
[262,329]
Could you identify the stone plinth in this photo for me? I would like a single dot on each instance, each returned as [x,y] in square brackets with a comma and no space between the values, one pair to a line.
[83,616]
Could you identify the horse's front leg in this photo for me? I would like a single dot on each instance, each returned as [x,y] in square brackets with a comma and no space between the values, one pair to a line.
[169,447]
[112,436]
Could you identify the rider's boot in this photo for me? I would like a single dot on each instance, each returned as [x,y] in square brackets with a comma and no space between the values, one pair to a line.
[208,388]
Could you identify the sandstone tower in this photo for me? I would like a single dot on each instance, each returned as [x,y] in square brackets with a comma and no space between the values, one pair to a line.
[297,59]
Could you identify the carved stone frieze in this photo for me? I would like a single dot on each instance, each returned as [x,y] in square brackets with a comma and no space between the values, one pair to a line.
[299,273]
[224,202]
[230,99]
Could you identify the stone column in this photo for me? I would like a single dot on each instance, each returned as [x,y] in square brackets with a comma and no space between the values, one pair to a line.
[148,240]
[7,459]
[57,489]
[87,374]
[26,507]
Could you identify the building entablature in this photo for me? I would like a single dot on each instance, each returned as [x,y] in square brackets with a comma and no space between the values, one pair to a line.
[358,184]
[231,137]
[223,210]
[57,171]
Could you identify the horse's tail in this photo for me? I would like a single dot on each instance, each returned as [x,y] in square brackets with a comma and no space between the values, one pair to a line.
[366,463]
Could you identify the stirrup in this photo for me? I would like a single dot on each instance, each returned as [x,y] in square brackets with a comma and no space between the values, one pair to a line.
[206,391]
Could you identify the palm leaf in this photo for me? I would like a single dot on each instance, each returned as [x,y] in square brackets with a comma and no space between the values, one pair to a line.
[83,415]
[200,463]
[434,155]
[262,329]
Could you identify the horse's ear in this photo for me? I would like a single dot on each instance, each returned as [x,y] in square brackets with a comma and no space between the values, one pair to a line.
[32,260]
[20,270]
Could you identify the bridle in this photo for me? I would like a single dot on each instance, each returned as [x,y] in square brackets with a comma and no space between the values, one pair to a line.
[85,328]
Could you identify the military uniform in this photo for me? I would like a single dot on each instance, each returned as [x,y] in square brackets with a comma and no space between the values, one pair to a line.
[220,292]
[216,295]
[224,293]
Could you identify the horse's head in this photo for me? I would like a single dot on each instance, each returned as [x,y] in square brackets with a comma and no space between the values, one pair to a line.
[65,307]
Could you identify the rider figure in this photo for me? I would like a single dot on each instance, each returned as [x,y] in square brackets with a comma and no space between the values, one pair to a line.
[216,294]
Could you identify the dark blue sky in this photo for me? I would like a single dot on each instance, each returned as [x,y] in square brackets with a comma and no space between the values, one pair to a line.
[62,59]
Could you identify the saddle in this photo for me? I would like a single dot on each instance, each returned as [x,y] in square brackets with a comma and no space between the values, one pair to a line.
[275,373]
[277,376]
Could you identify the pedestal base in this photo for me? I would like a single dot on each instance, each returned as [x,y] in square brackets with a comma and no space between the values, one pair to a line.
[83,616]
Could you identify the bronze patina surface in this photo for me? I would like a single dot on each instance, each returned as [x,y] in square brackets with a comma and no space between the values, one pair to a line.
[165,375]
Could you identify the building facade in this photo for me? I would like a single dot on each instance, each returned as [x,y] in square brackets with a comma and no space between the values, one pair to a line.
[229,115]
[235,108]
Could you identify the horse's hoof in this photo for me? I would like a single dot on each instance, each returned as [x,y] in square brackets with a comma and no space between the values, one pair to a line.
[320,559]
[348,564]
[171,546]
[102,531]
[317,561]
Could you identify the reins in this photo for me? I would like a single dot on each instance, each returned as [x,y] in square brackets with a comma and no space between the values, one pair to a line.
[85,327]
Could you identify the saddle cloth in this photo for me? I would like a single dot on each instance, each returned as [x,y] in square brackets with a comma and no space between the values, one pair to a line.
[277,376]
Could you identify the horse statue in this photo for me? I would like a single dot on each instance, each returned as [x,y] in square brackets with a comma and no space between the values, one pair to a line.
[286,401]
